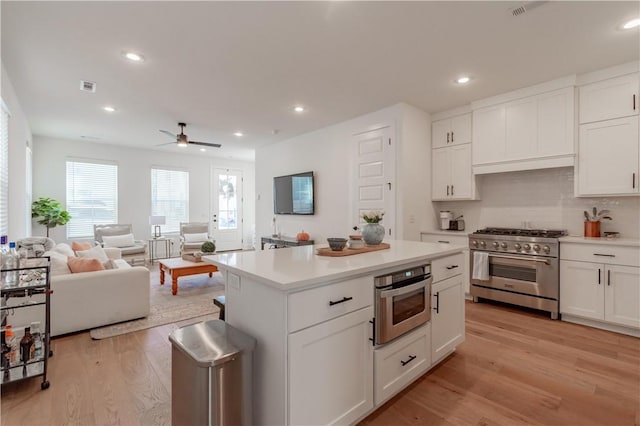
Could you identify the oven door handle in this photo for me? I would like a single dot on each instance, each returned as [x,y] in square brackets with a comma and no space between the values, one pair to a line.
[402,290]
[545,261]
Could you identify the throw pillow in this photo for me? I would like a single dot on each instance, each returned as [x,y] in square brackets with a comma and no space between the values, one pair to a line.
[58,263]
[78,246]
[77,264]
[119,241]
[196,238]
[96,252]
[64,249]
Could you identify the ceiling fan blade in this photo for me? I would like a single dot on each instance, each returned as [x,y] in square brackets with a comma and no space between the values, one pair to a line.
[168,143]
[214,145]
[169,134]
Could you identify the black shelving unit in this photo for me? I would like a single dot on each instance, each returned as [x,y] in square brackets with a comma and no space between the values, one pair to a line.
[34,280]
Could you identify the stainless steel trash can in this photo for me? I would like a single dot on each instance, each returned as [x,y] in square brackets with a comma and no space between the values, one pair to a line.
[211,375]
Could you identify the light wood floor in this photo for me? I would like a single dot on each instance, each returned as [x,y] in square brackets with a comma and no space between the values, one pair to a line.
[516,367]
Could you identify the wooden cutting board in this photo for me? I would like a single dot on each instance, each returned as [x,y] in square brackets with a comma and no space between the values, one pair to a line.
[326,251]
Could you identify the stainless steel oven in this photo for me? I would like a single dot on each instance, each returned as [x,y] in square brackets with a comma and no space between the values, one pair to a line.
[402,302]
[523,267]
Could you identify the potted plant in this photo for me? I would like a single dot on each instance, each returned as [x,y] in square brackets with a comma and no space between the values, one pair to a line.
[372,231]
[49,212]
[208,247]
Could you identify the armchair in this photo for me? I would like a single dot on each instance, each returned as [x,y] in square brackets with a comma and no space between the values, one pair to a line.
[121,236]
[192,235]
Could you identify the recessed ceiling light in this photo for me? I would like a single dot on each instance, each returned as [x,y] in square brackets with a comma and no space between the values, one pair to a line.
[632,24]
[133,56]
[109,109]
[298,109]
[202,149]
[463,80]
[238,134]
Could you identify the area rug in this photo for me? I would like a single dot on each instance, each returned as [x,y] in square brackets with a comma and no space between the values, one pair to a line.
[194,300]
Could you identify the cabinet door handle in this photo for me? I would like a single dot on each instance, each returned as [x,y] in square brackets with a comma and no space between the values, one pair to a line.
[447,137]
[609,277]
[634,102]
[344,299]
[604,255]
[451,137]
[437,308]
[447,190]
[599,273]
[443,241]
[373,329]
[452,267]
[451,189]
[633,181]
[411,358]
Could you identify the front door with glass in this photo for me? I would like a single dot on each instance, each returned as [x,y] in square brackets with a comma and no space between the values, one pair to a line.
[227,209]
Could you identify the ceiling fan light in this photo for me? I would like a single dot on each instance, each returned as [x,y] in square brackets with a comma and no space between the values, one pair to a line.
[182,144]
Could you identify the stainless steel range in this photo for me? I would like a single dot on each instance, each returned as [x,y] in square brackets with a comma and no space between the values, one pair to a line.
[522,265]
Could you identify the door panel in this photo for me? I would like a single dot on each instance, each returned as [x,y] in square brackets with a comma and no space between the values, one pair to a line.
[227,209]
[582,289]
[461,171]
[441,172]
[622,295]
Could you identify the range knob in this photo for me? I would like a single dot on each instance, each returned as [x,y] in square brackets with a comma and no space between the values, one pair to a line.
[536,247]
[527,247]
[503,245]
[483,244]
[517,246]
[474,243]
[496,244]
[546,249]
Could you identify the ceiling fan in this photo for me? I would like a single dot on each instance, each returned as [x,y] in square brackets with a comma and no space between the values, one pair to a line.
[182,139]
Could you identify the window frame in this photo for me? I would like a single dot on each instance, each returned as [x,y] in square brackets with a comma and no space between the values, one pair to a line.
[172,220]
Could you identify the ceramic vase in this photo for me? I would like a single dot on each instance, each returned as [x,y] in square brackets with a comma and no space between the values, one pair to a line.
[372,233]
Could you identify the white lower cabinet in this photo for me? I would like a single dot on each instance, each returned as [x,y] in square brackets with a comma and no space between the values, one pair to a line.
[602,291]
[447,316]
[399,363]
[330,365]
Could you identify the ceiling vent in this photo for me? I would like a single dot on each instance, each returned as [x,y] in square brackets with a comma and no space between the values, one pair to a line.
[87,86]
[524,8]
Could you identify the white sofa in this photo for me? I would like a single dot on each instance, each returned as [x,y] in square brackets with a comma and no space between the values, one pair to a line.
[86,300]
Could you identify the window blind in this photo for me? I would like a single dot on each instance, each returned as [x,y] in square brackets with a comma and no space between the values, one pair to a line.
[4,172]
[170,197]
[92,197]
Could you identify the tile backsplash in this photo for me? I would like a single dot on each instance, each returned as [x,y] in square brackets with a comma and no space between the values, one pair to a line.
[544,199]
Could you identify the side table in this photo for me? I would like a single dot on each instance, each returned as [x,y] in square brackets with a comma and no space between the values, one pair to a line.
[153,248]
[284,242]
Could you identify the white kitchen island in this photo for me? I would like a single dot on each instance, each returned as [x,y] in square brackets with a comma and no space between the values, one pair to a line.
[314,362]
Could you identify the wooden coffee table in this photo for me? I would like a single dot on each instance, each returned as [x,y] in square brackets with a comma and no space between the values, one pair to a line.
[180,268]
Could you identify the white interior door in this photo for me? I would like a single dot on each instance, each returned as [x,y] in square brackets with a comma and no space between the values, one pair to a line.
[227,209]
[375,176]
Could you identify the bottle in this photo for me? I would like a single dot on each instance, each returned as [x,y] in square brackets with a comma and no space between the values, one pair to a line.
[25,345]
[11,261]
[4,249]
[4,355]
[12,344]
[36,348]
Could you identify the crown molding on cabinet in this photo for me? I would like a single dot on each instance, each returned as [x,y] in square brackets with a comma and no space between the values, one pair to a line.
[451,113]
[607,73]
[538,89]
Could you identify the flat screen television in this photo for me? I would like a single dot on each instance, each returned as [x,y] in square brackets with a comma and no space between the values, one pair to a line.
[293,194]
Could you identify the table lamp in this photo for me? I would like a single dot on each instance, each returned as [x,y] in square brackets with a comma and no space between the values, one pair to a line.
[157,221]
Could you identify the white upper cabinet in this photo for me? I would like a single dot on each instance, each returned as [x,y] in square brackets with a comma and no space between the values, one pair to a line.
[532,132]
[609,160]
[451,131]
[607,99]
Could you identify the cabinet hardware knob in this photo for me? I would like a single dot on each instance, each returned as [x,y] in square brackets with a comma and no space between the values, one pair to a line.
[599,272]
[609,277]
[634,102]
[633,181]
[447,190]
[447,137]
[344,299]
[451,189]
[437,309]
[389,184]
[451,137]
[604,255]
[452,267]
[411,358]
[442,241]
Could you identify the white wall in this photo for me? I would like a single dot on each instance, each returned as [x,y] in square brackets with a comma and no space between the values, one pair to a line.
[545,199]
[326,152]
[19,139]
[134,181]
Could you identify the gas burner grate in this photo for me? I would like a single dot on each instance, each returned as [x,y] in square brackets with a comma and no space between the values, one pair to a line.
[545,233]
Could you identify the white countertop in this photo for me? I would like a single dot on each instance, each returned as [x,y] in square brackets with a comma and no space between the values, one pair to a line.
[441,232]
[604,241]
[296,267]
